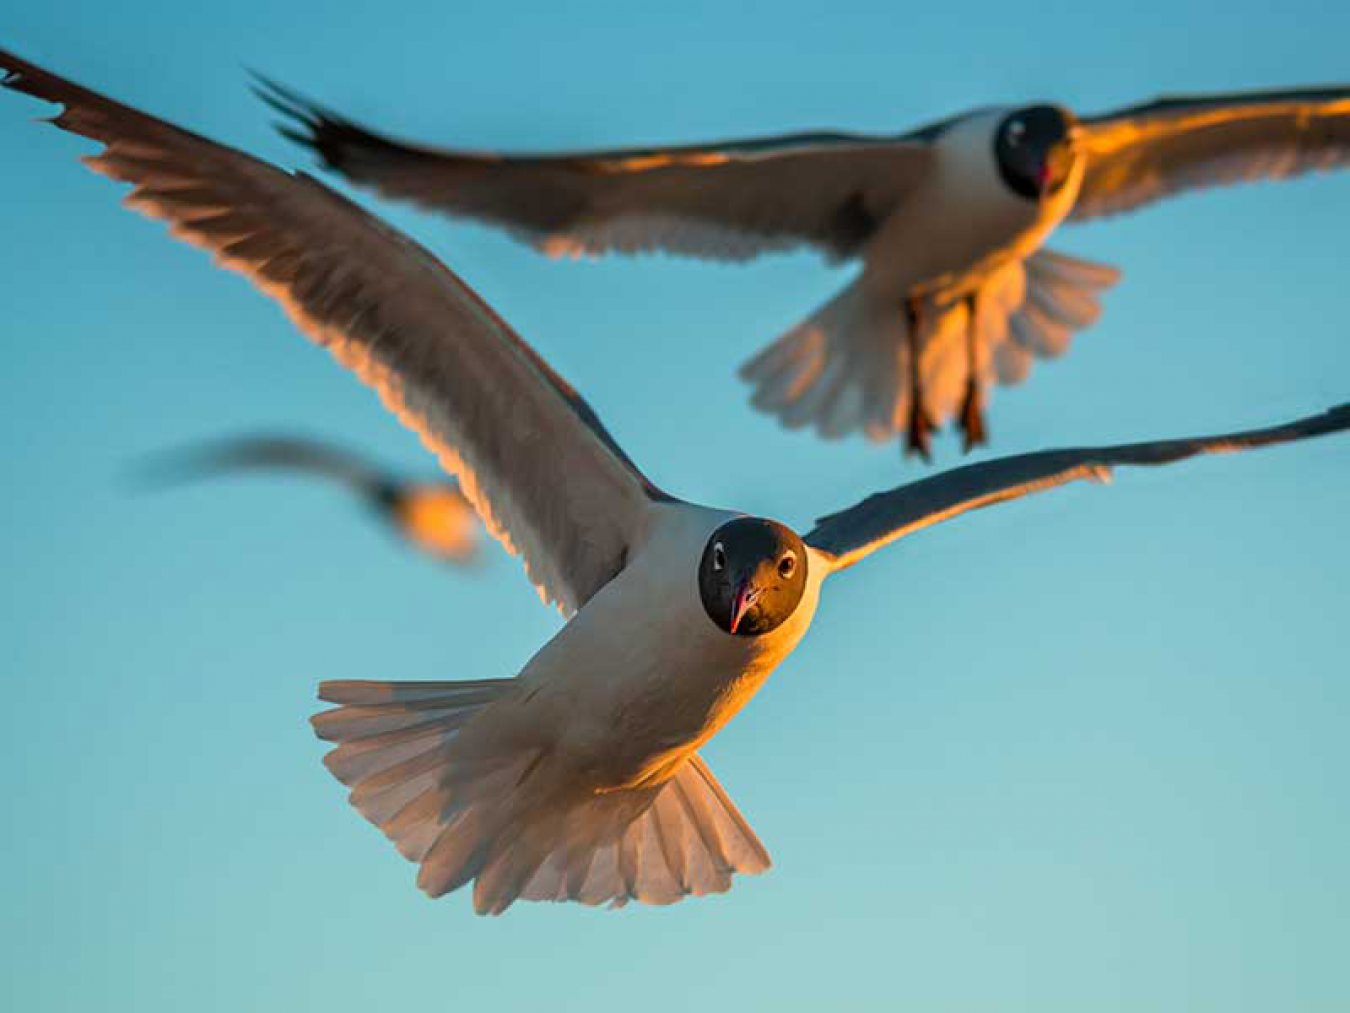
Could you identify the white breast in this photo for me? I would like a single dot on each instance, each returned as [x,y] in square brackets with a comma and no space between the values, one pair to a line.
[642,676]
[965,222]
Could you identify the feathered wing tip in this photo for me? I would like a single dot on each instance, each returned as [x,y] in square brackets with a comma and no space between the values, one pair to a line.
[508,820]
[845,368]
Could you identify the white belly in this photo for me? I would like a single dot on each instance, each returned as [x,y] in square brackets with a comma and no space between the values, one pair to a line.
[641,676]
[963,223]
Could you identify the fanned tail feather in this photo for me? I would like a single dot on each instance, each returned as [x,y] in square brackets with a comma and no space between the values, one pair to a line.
[841,370]
[845,368]
[1062,296]
[687,838]
[515,820]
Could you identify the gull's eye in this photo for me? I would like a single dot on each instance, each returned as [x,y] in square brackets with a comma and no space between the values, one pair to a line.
[719,557]
[1016,131]
[787,566]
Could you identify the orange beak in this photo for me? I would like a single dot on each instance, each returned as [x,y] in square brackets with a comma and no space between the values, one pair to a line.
[1058,165]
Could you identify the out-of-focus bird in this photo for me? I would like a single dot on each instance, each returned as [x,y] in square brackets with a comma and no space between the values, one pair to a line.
[579,778]
[957,290]
[433,517]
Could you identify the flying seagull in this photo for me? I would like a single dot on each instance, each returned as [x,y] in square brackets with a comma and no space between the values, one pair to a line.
[957,290]
[433,517]
[579,779]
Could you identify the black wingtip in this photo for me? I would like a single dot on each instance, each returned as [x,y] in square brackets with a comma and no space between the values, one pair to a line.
[282,100]
[265,85]
[1337,418]
[307,122]
[292,134]
[14,72]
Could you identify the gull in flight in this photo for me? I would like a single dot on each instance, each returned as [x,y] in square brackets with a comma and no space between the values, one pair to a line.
[957,290]
[580,778]
[433,517]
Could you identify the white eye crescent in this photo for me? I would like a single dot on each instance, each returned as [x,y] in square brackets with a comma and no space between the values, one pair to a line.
[787,566]
[1016,131]
[719,557]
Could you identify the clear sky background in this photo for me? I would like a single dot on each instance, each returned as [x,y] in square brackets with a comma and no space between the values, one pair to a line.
[1084,752]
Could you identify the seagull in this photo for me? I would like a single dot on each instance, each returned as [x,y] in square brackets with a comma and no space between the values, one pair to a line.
[957,289]
[433,517]
[580,778]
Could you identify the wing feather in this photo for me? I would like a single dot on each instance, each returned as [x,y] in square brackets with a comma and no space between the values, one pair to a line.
[268,452]
[852,534]
[530,454]
[731,200]
[1145,153]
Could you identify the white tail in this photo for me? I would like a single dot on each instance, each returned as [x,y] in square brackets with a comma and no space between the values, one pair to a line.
[844,369]
[515,819]
[1062,296]
[841,370]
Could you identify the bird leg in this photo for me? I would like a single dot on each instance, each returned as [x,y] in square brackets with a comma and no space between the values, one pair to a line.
[973,431]
[919,427]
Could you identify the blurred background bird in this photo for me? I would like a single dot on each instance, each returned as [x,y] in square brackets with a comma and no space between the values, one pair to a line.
[431,516]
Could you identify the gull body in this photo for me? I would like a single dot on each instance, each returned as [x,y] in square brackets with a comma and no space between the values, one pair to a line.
[972,224]
[679,680]
[579,778]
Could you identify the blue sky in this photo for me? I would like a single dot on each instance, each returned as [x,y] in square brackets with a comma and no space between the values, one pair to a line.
[1083,752]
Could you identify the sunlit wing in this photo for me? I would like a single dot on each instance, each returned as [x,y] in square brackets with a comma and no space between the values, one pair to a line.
[728,201]
[1148,152]
[852,534]
[530,454]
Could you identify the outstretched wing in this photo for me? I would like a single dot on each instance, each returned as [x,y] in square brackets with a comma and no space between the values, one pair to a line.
[729,201]
[266,452]
[1148,152]
[529,453]
[852,534]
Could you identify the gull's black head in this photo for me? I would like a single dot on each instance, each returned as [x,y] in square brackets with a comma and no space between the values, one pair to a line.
[1034,150]
[752,576]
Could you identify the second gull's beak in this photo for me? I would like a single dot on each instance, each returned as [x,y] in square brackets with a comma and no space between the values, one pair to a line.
[1058,164]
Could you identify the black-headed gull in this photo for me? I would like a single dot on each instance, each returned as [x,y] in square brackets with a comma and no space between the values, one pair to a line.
[579,779]
[432,516]
[957,290]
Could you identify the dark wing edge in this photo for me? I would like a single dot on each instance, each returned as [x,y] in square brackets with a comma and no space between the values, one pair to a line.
[318,255]
[267,452]
[681,199]
[333,136]
[852,534]
[1145,153]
